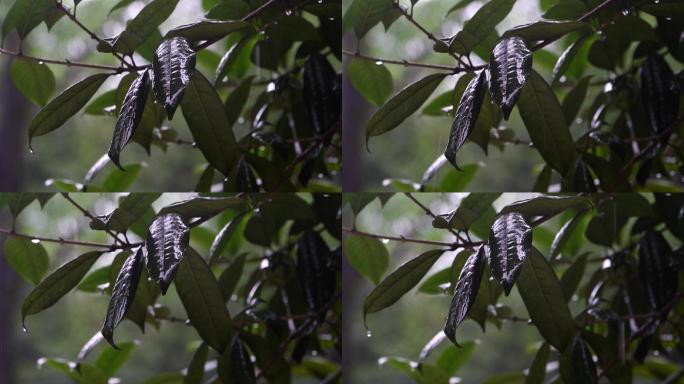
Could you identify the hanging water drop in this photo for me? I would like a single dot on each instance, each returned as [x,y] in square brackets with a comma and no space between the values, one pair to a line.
[31,151]
[625,12]
[288,12]
[35,241]
[369,334]
[379,62]
[41,62]
[23,328]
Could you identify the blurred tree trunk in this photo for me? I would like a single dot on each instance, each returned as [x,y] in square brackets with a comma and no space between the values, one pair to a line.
[12,109]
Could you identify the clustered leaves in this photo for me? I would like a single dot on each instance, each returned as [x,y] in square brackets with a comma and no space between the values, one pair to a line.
[603,115]
[268,120]
[603,290]
[264,300]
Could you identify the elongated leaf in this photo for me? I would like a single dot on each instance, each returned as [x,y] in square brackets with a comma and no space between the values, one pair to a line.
[545,122]
[201,296]
[538,368]
[65,105]
[466,116]
[315,276]
[546,30]
[658,278]
[224,236]
[574,99]
[368,256]
[34,80]
[142,27]
[167,242]
[129,116]
[25,15]
[236,100]
[402,105]
[545,302]
[58,284]
[111,360]
[203,206]
[577,363]
[660,101]
[465,292]
[470,209]
[372,80]
[207,30]
[564,61]
[195,372]
[480,26]
[173,66]
[564,234]
[510,242]
[30,260]
[546,205]
[123,294]
[235,366]
[131,208]
[510,67]
[397,283]
[231,276]
[322,95]
[229,58]
[362,15]
[203,110]
[572,276]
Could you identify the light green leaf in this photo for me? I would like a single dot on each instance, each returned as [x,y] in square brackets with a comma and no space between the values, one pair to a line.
[480,26]
[362,15]
[33,80]
[28,259]
[367,255]
[372,80]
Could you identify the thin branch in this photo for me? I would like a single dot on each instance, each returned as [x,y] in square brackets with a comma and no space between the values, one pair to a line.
[403,239]
[13,233]
[429,213]
[90,216]
[407,63]
[67,63]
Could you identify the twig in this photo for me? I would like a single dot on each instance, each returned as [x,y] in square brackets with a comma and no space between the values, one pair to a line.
[12,232]
[407,63]
[403,239]
[429,213]
[91,216]
[67,63]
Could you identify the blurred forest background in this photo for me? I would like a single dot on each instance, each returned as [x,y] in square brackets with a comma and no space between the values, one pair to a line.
[408,150]
[69,152]
[404,328]
[61,330]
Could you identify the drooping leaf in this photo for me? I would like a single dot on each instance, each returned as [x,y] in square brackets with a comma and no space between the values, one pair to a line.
[546,205]
[30,260]
[510,67]
[231,276]
[25,15]
[224,236]
[480,26]
[34,80]
[322,95]
[510,242]
[564,234]
[167,241]
[123,294]
[537,370]
[660,101]
[362,15]
[235,366]
[313,272]
[466,116]
[229,58]
[203,206]
[236,100]
[65,105]
[566,10]
[573,100]
[173,66]
[201,296]
[545,302]
[465,292]
[546,30]
[372,80]
[544,119]
[207,30]
[368,256]
[204,112]
[129,116]
[658,278]
[58,284]
[130,209]
[246,180]
[564,61]
[469,210]
[402,105]
[573,276]
[397,283]
[195,372]
[577,363]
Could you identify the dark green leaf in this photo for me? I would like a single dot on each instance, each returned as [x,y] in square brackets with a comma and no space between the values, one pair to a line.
[65,105]
[58,284]
[372,80]
[538,368]
[402,105]
[25,15]
[543,180]
[564,234]
[546,205]
[545,30]
[118,180]
[129,116]
[229,58]
[208,122]
[566,10]
[143,25]
[470,209]
[573,276]
[207,30]
[167,242]
[111,360]
[102,105]
[203,206]
[660,101]
[362,15]
[465,292]
[34,80]
[452,359]
[565,60]
[195,372]
[245,180]
[224,236]
[510,67]
[367,255]
[574,99]
[480,26]
[657,276]
[545,302]
[322,95]
[123,294]
[313,272]
[466,116]
[546,124]
[131,208]
[235,366]
[231,276]
[173,66]
[201,296]
[510,242]
[237,99]
[28,259]
[577,364]
[397,283]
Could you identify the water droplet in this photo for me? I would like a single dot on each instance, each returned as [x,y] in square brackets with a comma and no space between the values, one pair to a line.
[31,151]
[288,12]
[385,241]
[625,12]
[529,321]
[194,145]
[40,62]
[23,328]
[379,62]
[35,241]
[320,1]
[369,334]
[657,1]
[187,322]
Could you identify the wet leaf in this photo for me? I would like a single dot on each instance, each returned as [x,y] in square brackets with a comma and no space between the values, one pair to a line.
[201,296]
[65,105]
[565,60]
[236,100]
[25,15]
[316,277]
[224,236]
[480,26]
[510,242]
[574,99]
[545,302]
[142,26]
[657,276]
[231,276]
[246,179]
[362,15]
[131,208]
[372,80]
[368,256]
[123,294]
[544,119]
[34,80]
[546,30]
[538,368]
[229,58]
[204,112]
[28,259]
[322,93]
[58,284]
[173,66]
[203,206]
[129,116]
[207,30]
[466,116]
[167,242]
[510,67]
[547,205]
[195,372]
[236,366]
[564,234]
[402,105]
[660,101]
[397,283]
[572,276]
[469,210]
[465,292]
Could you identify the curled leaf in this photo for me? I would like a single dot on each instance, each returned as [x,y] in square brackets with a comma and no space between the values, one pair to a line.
[510,65]
[123,294]
[322,93]
[660,101]
[658,278]
[167,241]
[510,241]
[129,116]
[466,116]
[465,292]
[315,276]
[173,66]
